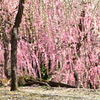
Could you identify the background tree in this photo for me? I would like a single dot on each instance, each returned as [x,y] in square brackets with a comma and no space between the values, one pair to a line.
[5,39]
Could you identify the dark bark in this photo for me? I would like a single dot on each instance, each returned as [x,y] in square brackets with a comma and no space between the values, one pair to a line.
[14,59]
[30,82]
[5,40]
[81,23]
[14,38]
[78,46]
[76,79]
[7,70]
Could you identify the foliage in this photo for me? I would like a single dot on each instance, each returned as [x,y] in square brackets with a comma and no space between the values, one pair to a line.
[43,72]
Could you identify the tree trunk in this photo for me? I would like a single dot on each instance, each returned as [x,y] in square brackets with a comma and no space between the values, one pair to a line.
[14,59]
[5,41]
[78,46]
[14,38]
[32,82]
[7,70]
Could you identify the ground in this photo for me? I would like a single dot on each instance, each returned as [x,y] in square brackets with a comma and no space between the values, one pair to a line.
[49,93]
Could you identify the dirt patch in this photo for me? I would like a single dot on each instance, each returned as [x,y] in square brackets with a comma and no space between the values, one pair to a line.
[49,93]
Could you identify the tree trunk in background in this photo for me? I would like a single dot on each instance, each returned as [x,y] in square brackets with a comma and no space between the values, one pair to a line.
[78,46]
[14,38]
[7,70]
[5,41]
